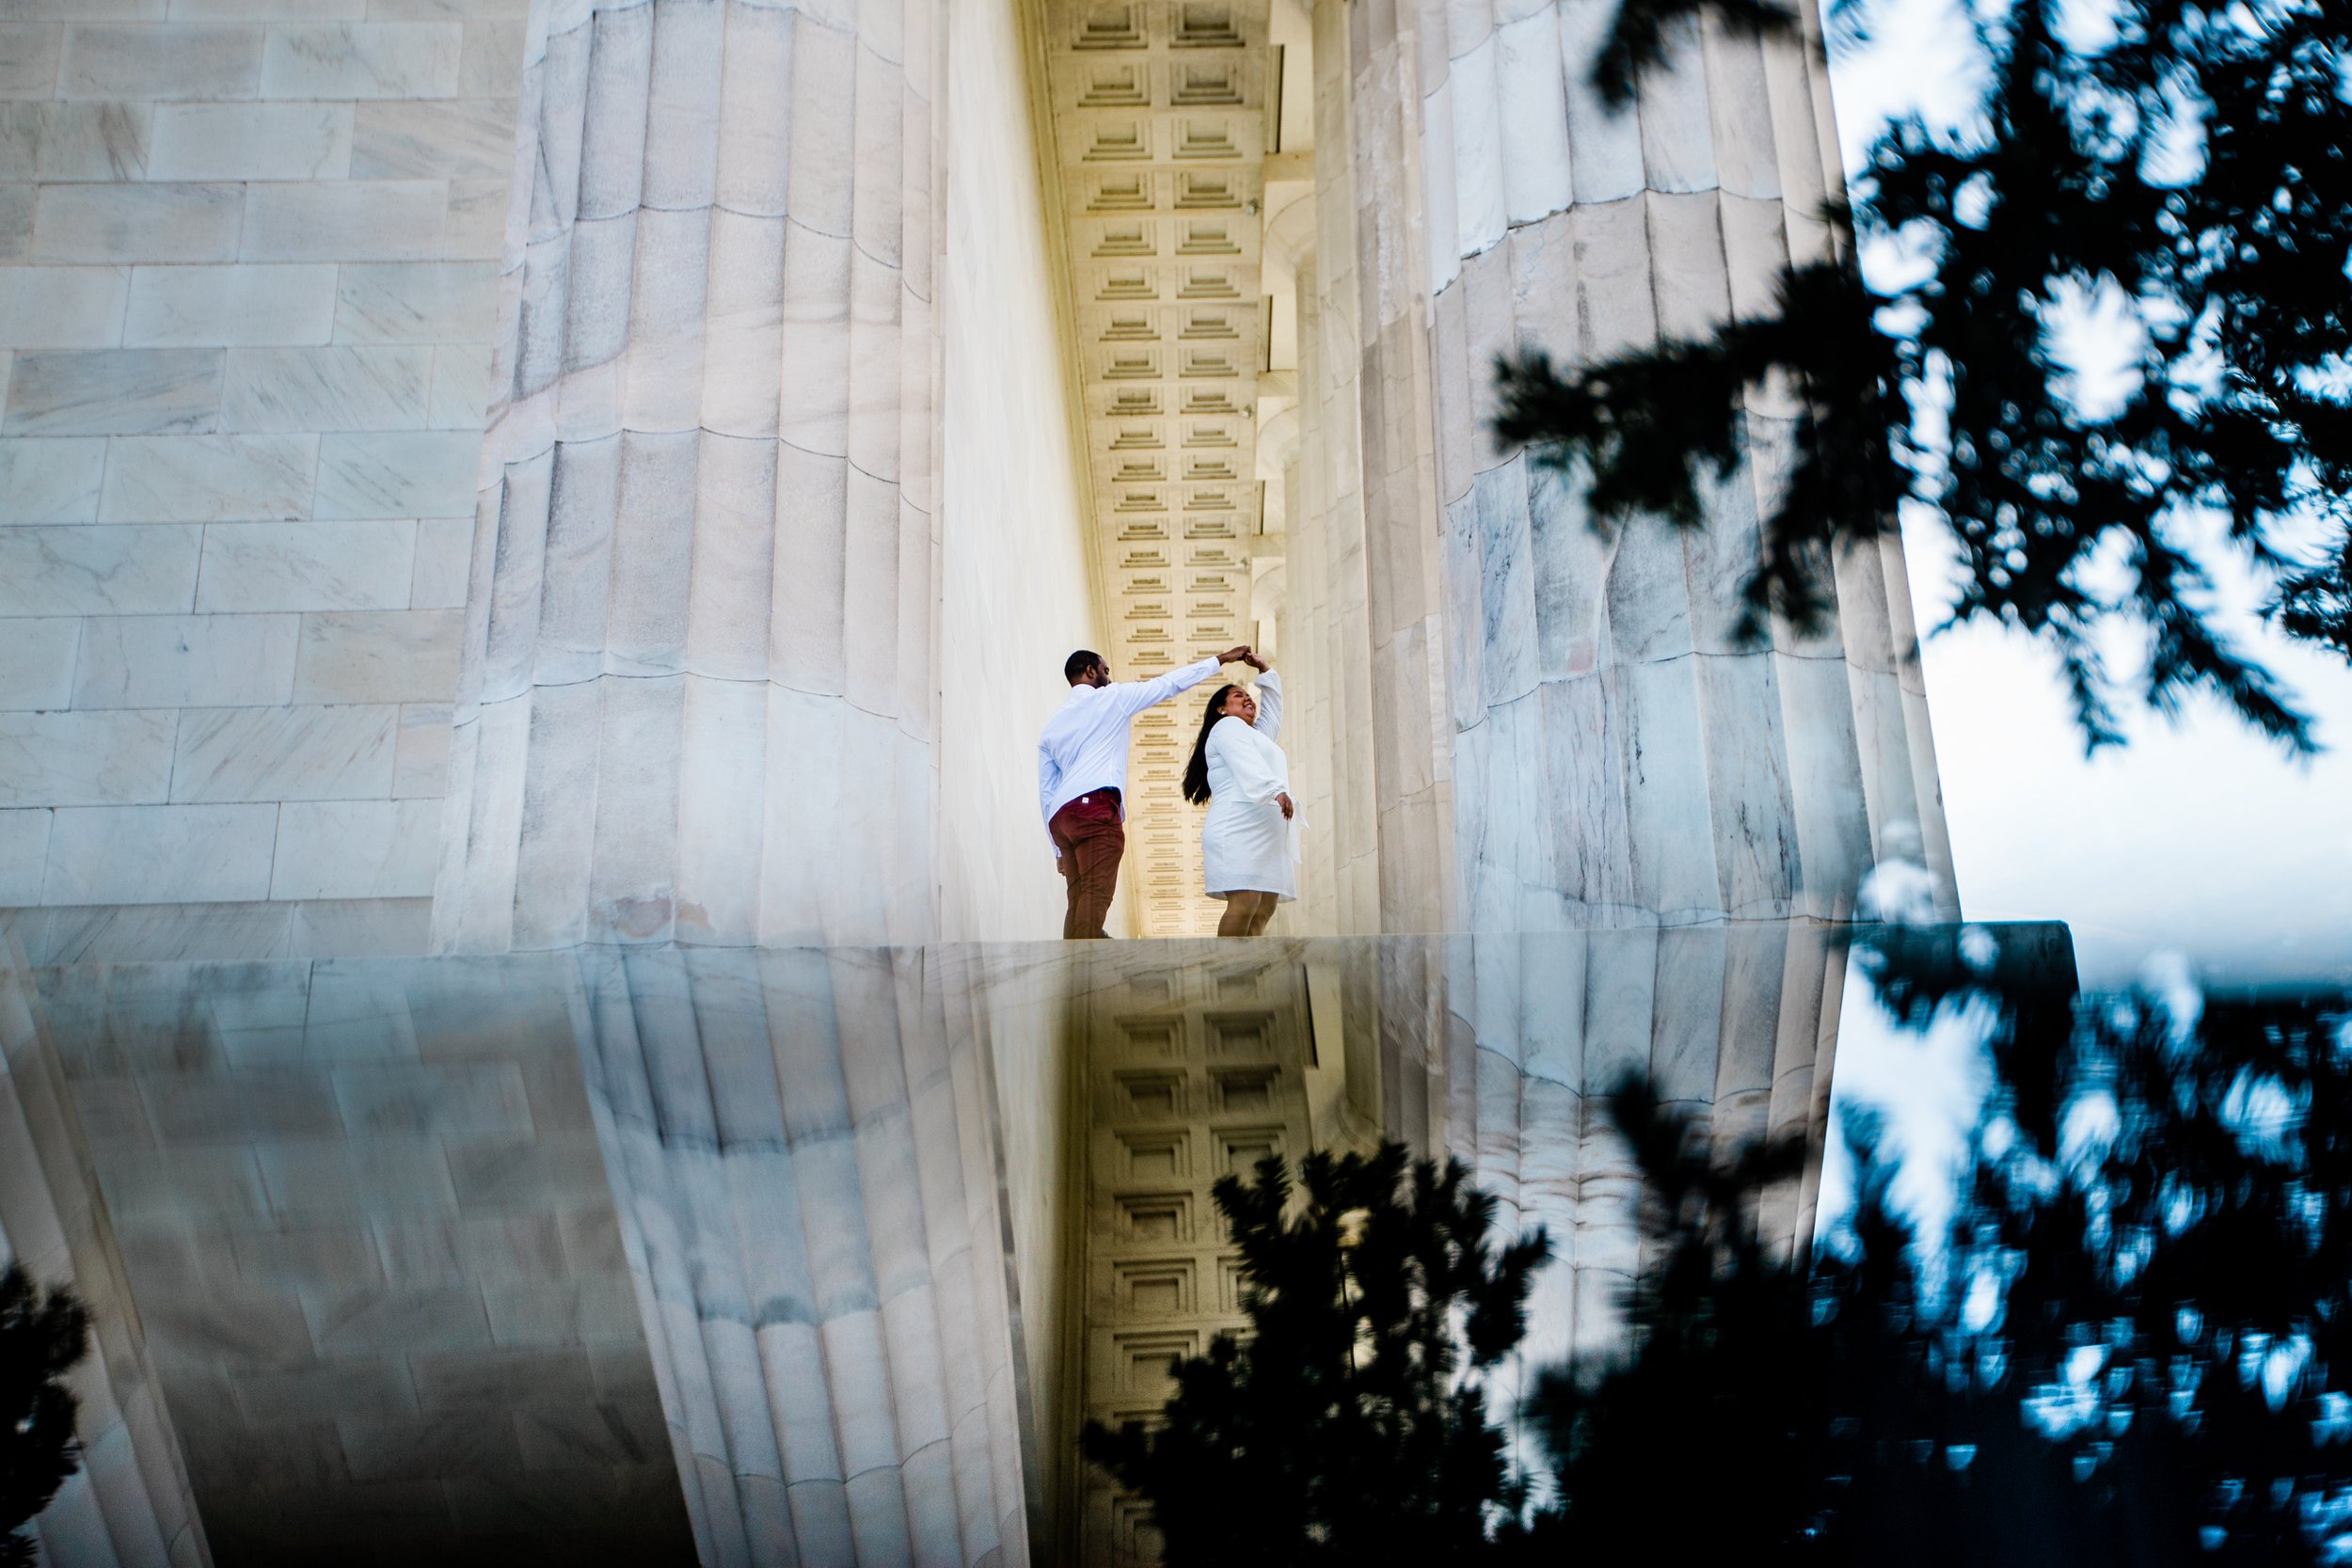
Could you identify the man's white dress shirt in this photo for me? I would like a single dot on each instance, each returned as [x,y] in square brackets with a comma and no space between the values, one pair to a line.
[1085,745]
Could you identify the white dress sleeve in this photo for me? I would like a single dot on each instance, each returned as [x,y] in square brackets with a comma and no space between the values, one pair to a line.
[1269,695]
[1256,768]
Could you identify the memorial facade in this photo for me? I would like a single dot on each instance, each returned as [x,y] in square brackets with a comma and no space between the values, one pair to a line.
[536,537]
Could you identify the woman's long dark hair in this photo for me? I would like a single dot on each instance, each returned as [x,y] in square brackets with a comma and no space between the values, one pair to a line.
[1196,771]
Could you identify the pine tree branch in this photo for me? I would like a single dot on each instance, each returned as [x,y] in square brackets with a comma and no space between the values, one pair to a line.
[1640,40]
[2243,407]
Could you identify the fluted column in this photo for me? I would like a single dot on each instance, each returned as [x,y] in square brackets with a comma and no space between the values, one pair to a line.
[697,693]
[1612,752]
[800,1149]
[1309,677]
[1330,362]
[1404,605]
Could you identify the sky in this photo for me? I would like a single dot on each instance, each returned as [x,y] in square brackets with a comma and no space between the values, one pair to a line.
[2199,838]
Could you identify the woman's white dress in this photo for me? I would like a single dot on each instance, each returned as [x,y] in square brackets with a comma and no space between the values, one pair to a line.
[1245,846]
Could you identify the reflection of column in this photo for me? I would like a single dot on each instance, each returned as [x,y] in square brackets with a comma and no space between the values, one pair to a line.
[1499,1048]
[808,1197]
[697,688]
[1616,756]
[1729,1018]
[1194,1065]
[130,1503]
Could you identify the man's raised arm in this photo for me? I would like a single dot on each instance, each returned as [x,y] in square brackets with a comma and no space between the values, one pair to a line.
[1135,696]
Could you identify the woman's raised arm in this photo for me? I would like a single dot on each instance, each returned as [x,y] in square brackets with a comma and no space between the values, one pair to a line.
[1269,694]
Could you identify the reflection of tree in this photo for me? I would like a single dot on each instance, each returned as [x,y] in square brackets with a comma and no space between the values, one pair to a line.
[1759,1415]
[1349,1425]
[42,1336]
[2177,1253]
[1702,1438]
[1914,969]
[2131,1349]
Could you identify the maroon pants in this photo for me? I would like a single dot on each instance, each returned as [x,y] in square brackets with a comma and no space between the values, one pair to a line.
[1091,838]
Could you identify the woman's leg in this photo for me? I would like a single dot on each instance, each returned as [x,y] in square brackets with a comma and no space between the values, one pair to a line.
[1264,915]
[1245,913]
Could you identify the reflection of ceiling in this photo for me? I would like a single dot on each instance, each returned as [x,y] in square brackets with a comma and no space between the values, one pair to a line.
[1160,126]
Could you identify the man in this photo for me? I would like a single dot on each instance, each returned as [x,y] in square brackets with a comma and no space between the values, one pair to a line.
[1081,775]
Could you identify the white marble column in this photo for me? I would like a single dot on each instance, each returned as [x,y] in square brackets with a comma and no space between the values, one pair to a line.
[1376,214]
[1308,671]
[698,688]
[1336,752]
[1606,751]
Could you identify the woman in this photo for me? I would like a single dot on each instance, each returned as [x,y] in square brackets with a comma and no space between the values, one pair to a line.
[1250,840]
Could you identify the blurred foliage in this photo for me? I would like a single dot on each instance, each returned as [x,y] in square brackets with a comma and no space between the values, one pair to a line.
[2190,169]
[2130,1348]
[42,1334]
[1915,967]
[1350,1424]
[1700,1440]
[1641,37]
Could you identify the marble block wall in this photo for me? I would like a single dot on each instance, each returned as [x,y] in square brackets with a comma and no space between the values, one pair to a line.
[698,696]
[1612,753]
[247,279]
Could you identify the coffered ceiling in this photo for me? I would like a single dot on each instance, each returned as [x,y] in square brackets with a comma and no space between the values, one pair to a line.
[1161,127]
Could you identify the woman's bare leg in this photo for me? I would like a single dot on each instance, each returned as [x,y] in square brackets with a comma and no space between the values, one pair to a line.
[1246,915]
[1236,920]
[1267,903]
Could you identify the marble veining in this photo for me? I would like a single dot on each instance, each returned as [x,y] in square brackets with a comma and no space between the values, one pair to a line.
[707,471]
